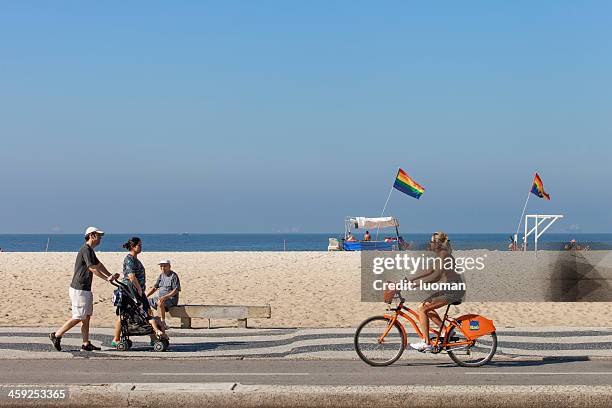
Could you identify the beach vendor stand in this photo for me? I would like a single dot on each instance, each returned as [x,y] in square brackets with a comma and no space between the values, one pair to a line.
[388,243]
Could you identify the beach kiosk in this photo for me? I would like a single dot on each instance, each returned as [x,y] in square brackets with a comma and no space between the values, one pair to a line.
[392,242]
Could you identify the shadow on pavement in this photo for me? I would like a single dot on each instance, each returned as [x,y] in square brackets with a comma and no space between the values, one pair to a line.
[498,363]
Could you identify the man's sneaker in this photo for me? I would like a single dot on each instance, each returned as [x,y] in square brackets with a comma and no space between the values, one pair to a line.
[421,346]
[56,341]
[90,347]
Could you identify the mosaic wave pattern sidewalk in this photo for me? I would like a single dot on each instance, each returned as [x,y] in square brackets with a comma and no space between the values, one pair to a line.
[330,343]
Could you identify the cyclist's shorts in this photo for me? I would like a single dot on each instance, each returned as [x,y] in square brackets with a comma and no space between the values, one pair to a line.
[447,296]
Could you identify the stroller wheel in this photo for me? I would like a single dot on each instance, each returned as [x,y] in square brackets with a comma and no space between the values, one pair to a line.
[129,343]
[159,346]
[166,344]
[123,345]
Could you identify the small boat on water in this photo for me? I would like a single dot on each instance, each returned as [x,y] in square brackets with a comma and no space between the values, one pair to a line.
[372,227]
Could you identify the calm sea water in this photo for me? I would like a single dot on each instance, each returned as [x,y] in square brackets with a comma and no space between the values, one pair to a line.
[271,242]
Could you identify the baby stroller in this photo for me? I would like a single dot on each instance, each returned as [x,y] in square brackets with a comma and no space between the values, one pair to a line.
[134,321]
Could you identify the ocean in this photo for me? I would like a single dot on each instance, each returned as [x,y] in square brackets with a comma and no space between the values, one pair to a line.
[271,242]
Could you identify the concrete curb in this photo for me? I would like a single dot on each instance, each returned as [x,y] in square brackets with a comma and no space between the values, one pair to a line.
[234,395]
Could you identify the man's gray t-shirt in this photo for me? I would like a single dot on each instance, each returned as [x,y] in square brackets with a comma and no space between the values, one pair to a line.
[167,283]
[81,280]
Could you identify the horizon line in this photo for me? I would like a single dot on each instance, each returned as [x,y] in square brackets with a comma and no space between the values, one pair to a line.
[277,233]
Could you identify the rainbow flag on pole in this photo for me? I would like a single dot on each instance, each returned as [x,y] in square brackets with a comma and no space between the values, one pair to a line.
[406,185]
[538,188]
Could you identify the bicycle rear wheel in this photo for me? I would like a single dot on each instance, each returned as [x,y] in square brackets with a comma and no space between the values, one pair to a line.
[376,351]
[475,355]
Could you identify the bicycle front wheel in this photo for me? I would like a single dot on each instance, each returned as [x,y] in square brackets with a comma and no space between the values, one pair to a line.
[476,355]
[373,348]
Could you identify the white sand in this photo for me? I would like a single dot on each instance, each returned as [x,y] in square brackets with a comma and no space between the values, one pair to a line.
[304,289]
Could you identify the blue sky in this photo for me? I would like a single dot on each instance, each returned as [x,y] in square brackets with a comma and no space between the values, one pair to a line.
[287,116]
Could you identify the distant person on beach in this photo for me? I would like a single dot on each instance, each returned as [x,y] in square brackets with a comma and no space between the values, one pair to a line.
[169,286]
[135,278]
[442,249]
[573,246]
[367,236]
[81,297]
[350,237]
[512,246]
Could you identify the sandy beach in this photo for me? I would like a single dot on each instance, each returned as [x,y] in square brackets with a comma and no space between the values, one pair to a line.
[304,289]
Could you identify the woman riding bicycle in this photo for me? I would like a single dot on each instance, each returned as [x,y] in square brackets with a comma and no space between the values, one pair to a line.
[442,271]
[469,340]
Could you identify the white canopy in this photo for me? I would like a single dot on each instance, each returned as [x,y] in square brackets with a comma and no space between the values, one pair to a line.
[379,222]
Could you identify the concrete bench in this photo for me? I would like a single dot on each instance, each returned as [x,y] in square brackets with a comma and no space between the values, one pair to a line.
[241,313]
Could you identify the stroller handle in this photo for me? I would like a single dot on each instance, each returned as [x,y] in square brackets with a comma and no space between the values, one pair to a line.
[118,284]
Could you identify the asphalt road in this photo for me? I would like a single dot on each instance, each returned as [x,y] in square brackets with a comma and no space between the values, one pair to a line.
[300,372]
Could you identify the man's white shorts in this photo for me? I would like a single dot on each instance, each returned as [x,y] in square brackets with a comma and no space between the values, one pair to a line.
[82,303]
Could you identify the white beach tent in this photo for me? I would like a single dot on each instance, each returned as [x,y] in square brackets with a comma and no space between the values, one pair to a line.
[371,223]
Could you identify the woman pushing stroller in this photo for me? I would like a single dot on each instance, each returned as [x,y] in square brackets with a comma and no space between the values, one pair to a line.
[134,277]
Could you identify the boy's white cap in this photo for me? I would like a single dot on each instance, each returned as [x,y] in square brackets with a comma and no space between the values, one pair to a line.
[89,230]
[164,261]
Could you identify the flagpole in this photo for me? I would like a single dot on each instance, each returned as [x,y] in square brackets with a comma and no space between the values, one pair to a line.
[522,214]
[386,202]
[384,208]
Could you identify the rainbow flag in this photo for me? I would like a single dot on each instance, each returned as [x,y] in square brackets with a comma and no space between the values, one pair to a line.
[406,185]
[538,188]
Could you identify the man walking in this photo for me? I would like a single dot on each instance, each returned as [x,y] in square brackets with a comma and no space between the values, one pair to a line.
[87,265]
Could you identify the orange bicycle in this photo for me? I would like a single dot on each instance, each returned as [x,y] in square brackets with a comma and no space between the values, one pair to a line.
[469,340]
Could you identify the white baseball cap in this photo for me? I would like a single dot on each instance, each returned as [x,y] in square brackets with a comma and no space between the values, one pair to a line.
[89,230]
[164,262]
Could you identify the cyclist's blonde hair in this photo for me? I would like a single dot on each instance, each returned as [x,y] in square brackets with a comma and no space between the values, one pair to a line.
[441,241]
[439,237]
